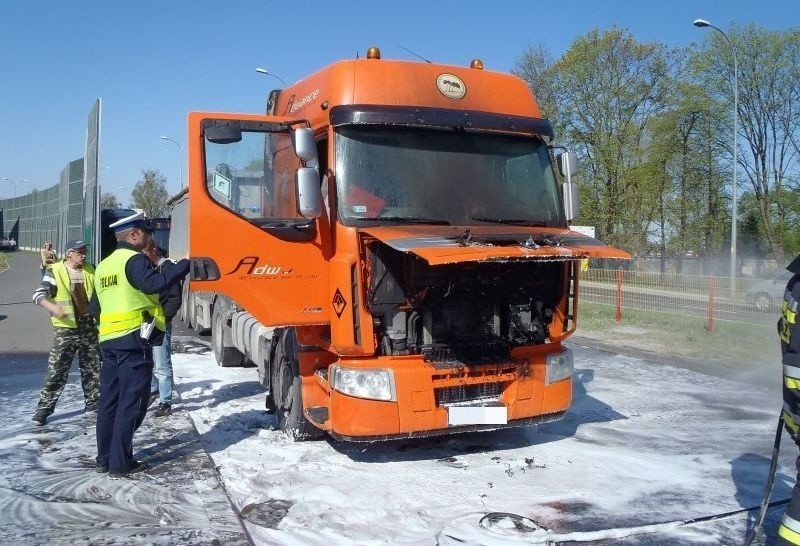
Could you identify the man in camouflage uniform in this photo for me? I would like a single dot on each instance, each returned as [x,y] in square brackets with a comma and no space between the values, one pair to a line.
[65,291]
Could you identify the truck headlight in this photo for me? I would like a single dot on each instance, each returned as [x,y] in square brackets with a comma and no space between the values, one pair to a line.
[374,384]
[559,366]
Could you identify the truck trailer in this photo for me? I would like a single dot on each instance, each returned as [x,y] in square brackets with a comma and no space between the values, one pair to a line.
[390,247]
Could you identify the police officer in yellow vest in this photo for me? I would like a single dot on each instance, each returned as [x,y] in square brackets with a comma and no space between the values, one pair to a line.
[789,529]
[131,322]
[66,288]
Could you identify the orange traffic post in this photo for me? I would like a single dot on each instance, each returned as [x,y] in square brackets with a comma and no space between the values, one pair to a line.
[710,325]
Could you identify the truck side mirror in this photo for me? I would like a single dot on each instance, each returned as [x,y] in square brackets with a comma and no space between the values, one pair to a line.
[567,166]
[309,194]
[304,145]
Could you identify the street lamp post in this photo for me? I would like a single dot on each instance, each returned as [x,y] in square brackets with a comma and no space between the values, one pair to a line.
[121,191]
[14,182]
[702,23]
[264,71]
[180,157]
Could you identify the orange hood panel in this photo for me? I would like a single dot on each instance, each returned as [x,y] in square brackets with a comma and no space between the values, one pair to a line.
[439,245]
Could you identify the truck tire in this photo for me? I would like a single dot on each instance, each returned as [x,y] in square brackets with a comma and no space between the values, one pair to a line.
[287,392]
[264,377]
[183,313]
[226,357]
[191,311]
[269,403]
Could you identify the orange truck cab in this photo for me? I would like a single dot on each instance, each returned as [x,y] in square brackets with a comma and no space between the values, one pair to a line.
[390,247]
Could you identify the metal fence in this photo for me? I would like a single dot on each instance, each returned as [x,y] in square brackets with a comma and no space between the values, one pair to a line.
[751,300]
[54,214]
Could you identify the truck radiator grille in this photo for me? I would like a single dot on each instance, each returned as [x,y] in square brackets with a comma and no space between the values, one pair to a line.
[460,353]
[467,393]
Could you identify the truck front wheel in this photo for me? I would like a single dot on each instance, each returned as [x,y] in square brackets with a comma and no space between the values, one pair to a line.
[287,392]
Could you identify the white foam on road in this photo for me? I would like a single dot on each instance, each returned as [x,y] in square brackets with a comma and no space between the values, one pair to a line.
[644,447]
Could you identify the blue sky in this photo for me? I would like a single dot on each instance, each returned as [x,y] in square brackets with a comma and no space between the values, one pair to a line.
[152,61]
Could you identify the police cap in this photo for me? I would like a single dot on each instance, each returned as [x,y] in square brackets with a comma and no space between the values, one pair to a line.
[135,220]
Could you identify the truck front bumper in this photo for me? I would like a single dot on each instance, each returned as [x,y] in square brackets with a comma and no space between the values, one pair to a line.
[428,399]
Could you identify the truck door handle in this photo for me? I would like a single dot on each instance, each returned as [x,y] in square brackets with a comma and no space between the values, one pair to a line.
[203,269]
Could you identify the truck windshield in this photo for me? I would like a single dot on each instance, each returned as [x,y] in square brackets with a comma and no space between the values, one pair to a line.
[408,175]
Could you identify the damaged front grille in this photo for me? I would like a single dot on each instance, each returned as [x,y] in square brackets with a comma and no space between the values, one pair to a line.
[464,353]
[467,393]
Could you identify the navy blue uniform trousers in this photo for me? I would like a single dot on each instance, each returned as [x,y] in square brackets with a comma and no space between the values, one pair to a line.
[124,392]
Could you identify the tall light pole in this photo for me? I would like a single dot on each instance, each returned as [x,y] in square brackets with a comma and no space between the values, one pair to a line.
[180,157]
[264,71]
[121,191]
[14,182]
[702,23]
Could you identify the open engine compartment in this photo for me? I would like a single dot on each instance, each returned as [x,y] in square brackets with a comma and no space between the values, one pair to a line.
[464,313]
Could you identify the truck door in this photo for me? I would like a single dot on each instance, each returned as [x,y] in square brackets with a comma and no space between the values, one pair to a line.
[247,238]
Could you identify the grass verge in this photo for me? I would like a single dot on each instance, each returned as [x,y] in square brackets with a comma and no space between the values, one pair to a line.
[680,335]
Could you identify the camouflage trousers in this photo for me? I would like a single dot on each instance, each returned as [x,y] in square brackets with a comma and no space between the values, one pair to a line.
[67,342]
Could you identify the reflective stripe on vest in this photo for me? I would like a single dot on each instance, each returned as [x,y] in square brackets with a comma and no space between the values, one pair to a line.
[788,410]
[791,523]
[791,371]
[63,295]
[790,419]
[123,308]
[790,302]
[788,317]
[792,537]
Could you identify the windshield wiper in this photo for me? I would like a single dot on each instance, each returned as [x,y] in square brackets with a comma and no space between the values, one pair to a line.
[513,221]
[405,220]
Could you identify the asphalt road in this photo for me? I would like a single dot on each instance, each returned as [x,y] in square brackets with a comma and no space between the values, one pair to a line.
[25,329]
[179,459]
[48,472]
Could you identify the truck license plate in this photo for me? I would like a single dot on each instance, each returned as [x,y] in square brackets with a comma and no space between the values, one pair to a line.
[477,415]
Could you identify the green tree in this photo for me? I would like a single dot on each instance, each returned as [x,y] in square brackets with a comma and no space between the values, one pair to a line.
[768,117]
[150,193]
[690,192]
[109,201]
[602,93]
[534,66]
[751,240]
